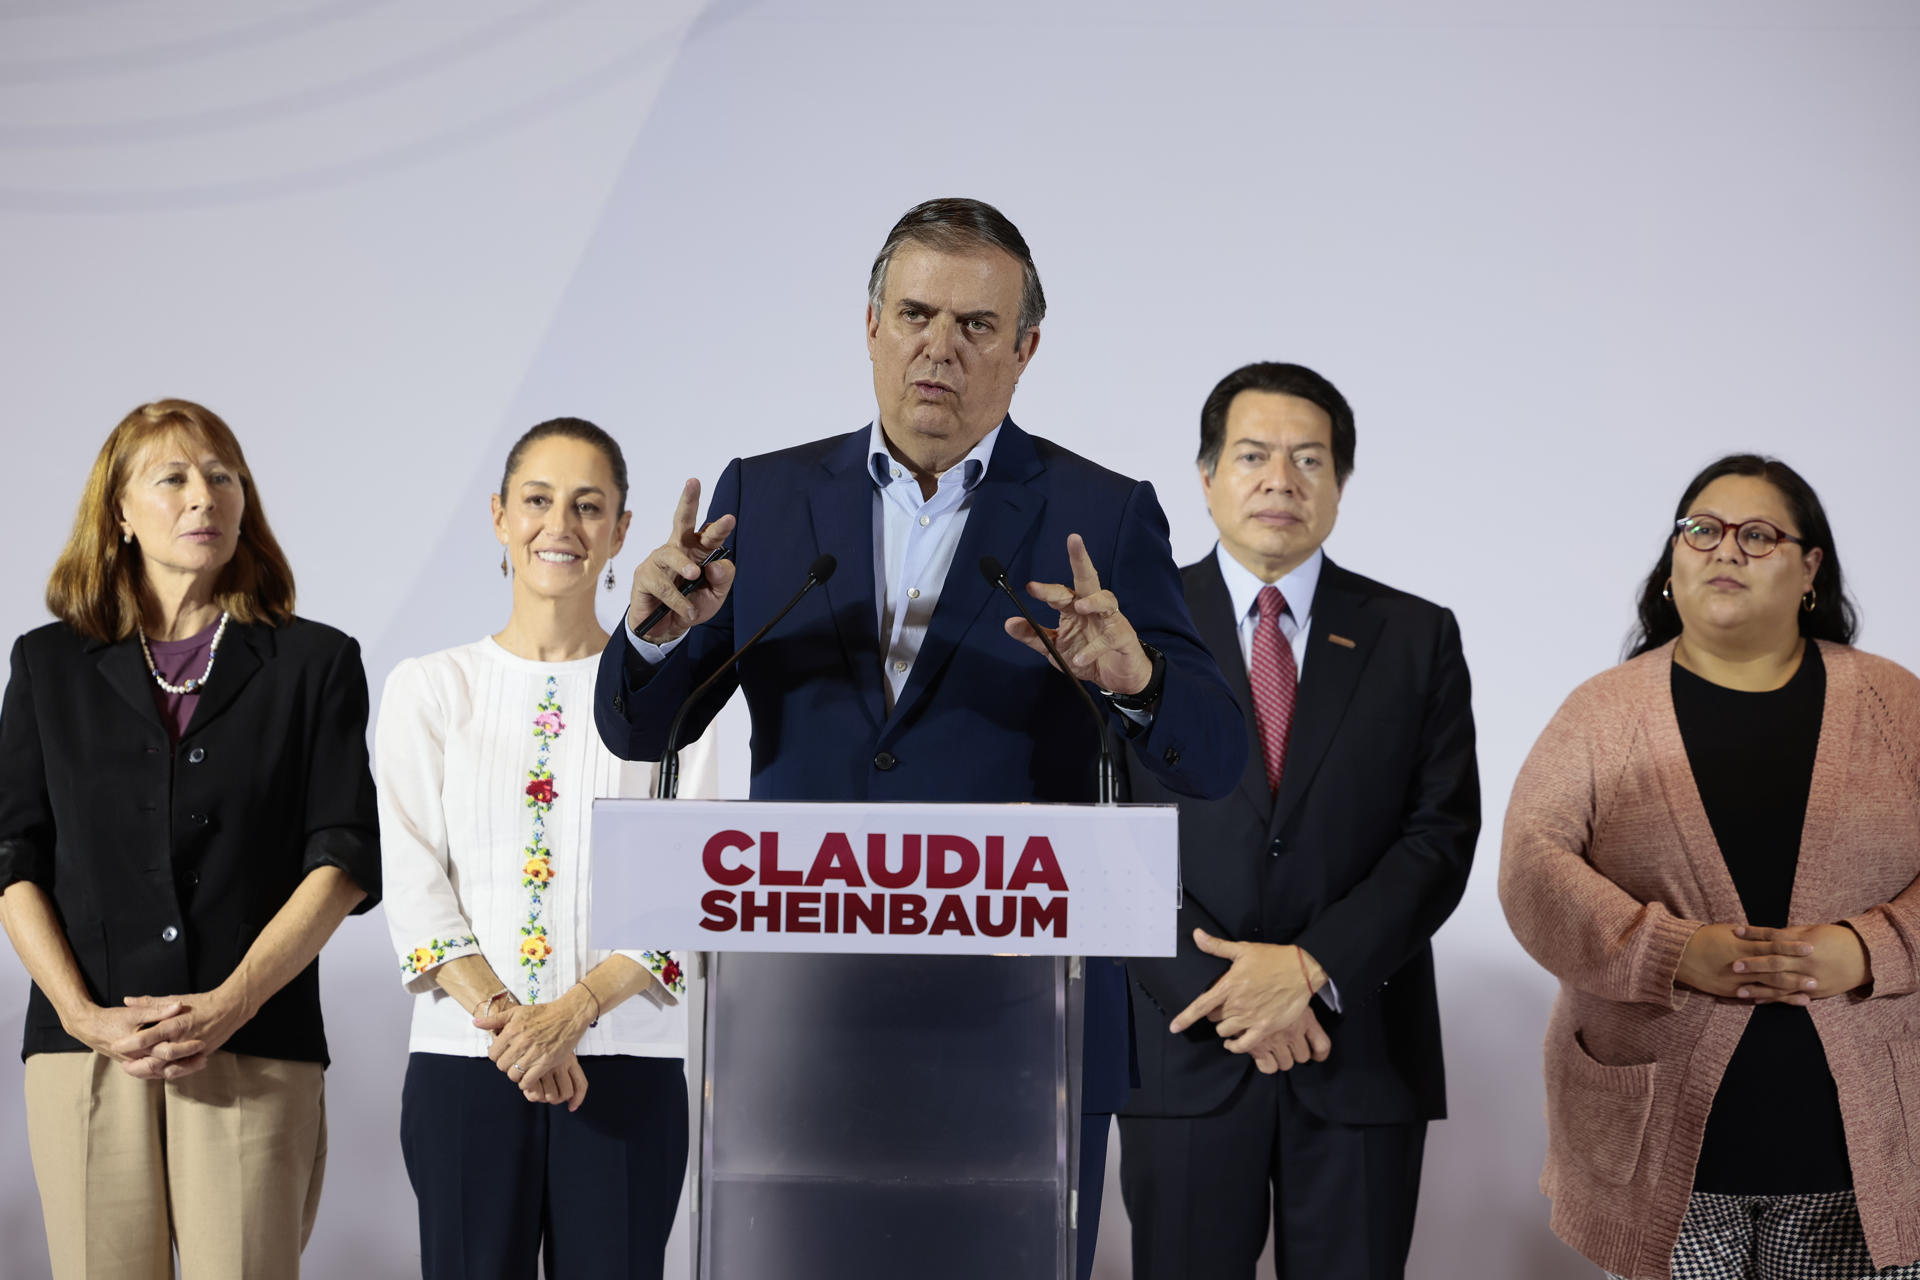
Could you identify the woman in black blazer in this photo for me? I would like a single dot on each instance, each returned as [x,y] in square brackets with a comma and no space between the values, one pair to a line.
[186,814]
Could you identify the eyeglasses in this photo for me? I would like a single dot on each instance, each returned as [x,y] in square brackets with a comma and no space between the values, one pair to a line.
[1755,538]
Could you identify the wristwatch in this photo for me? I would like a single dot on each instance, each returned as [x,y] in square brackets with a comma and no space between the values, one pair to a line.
[1148,698]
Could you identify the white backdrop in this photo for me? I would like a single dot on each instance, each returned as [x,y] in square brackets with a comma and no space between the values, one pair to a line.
[1557,256]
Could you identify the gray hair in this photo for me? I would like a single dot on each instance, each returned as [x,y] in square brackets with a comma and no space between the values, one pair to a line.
[957,225]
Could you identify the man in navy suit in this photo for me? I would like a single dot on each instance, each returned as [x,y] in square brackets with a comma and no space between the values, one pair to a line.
[905,678]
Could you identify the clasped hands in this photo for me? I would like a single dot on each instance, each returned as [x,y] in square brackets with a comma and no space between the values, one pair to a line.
[1796,965]
[1260,1005]
[533,1044]
[163,1037]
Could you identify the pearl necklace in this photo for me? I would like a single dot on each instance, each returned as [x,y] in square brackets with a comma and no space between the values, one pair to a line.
[191,686]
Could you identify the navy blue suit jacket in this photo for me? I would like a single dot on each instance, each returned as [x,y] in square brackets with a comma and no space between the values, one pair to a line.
[982,718]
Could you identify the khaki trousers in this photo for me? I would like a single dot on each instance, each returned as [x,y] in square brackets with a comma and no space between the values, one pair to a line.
[224,1165]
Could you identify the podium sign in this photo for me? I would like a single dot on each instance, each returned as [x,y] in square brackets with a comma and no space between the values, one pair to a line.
[943,879]
[913,1110]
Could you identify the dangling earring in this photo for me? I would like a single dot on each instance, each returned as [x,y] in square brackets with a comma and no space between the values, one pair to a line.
[609,577]
[503,564]
[1809,600]
[126,537]
[1666,592]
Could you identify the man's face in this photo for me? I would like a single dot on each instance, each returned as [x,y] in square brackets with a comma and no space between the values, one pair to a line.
[1272,495]
[947,350]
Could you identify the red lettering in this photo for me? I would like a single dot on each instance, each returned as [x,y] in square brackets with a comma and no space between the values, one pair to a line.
[718,904]
[940,875]
[770,872]
[996,862]
[835,861]
[803,912]
[877,868]
[721,842]
[833,912]
[988,925]
[1051,915]
[870,911]
[951,917]
[906,912]
[767,913]
[1037,863]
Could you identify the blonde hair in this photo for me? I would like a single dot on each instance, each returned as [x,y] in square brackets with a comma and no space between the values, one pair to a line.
[96,583]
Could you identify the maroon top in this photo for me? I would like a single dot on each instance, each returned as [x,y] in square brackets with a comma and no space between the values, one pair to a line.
[179,661]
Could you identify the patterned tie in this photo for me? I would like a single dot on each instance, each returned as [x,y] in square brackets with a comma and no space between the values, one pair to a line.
[1275,681]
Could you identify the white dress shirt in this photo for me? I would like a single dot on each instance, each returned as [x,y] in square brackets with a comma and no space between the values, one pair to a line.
[1296,621]
[475,864]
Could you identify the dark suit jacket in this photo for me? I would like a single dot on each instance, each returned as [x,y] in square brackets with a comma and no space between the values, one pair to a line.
[165,862]
[981,718]
[1363,853]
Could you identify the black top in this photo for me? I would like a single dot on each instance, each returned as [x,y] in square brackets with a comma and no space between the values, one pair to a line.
[166,860]
[1775,1126]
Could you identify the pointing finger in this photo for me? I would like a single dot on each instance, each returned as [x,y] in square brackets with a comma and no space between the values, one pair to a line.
[1086,580]
[1208,1001]
[686,511]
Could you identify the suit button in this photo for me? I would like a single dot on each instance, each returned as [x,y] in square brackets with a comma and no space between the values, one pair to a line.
[619,704]
[1278,847]
[196,755]
[189,879]
[884,761]
[169,933]
[1171,755]
[197,819]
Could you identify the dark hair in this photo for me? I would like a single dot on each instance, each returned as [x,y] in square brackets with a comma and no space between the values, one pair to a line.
[570,429]
[98,580]
[1281,379]
[1833,616]
[955,224]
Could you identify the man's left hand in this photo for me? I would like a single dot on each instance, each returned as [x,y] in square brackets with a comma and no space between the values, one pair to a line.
[1266,989]
[1304,1041]
[1094,638]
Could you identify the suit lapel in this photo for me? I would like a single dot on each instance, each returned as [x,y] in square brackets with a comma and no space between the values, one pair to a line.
[842,509]
[242,653]
[1006,505]
[1329,674]
[125,671]
[1212,607]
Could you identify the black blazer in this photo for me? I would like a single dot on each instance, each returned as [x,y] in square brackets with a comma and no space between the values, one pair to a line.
[1359,858]
[166,862]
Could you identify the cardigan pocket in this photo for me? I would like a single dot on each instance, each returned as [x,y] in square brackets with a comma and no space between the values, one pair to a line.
[1600,1112]
[1906,1080]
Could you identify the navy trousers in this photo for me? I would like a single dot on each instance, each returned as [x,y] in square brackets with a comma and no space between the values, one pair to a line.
[504,1183]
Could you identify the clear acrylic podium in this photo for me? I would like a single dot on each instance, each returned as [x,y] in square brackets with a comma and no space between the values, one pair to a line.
[880,1111]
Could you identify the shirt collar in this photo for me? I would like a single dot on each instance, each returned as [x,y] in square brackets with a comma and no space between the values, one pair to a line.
[1243,585]
[973,468]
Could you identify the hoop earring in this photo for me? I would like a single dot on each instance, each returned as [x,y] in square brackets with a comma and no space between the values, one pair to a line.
[609,577]
[503,564]
[1808,601]
[1666,592]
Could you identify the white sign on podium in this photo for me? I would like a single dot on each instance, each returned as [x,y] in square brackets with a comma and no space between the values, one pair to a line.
[951,879]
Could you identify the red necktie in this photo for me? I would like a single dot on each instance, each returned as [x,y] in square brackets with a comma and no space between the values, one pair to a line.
[1275,681]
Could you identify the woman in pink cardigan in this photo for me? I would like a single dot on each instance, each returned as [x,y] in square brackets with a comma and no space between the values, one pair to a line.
[1714,846]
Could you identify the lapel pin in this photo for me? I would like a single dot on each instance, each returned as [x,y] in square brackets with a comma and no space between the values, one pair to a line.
[1342,641]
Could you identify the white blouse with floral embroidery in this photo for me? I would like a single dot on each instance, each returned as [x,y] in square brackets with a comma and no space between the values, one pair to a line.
[488,766]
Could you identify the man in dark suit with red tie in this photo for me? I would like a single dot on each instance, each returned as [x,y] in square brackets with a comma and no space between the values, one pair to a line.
[1294,1041]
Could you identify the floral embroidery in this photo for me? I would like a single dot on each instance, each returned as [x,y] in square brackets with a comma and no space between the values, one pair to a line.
[537,872]
[423,958]
[664,967]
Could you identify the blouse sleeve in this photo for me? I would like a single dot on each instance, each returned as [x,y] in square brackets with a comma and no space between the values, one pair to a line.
[1581,926]
[409,752]
[26,812]
[699,780]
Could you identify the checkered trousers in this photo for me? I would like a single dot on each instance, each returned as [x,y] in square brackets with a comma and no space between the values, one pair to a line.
[1809,1237]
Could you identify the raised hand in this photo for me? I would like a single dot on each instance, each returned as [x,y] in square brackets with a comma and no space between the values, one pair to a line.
[1094,638]
[657,578]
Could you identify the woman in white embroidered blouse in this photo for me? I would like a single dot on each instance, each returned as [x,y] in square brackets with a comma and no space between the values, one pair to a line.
[488,765]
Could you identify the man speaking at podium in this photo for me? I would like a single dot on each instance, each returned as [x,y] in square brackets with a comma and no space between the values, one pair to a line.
[905,678]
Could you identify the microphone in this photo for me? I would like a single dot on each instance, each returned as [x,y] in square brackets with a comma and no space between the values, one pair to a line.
[667,786]
[996,576]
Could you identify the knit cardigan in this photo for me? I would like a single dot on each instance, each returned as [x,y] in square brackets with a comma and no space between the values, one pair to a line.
[1608,865]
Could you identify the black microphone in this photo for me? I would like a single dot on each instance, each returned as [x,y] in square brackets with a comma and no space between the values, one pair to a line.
[667,785]
[996,575]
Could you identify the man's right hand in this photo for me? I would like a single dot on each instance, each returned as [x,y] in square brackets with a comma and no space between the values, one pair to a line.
[657,579]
